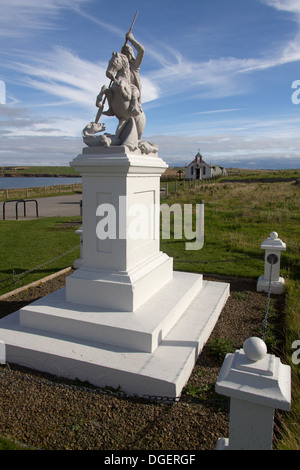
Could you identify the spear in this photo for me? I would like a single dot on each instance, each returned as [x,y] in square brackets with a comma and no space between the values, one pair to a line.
[111,82]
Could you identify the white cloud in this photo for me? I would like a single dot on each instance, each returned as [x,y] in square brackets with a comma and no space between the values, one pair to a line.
[20,18]
[223,76]
[291,6]
[230,150]
[63,74]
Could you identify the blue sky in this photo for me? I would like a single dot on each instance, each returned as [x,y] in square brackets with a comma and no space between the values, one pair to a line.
[218,75]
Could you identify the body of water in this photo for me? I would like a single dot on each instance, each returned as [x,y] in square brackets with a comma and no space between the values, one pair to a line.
[34,182]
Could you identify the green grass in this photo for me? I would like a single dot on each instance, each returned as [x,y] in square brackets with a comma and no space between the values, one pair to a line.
[39,171]
[236,174]
[288,436]
[38,192]
[7,444]
[237,219]
[27,244]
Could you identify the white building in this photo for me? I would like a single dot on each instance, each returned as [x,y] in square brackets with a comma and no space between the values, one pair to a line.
[198,169]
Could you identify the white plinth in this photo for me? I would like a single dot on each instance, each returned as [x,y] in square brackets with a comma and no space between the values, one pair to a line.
[125,269]
[255,388]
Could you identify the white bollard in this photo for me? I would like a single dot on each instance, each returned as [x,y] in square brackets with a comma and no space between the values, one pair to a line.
[256,383]
[78,262]
[271,278]
[2,353]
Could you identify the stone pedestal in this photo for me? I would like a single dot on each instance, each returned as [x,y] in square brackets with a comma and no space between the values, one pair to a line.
[124,318]
[256,383]
[121,193]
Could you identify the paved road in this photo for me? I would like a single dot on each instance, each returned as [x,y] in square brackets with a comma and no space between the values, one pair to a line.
[59,206]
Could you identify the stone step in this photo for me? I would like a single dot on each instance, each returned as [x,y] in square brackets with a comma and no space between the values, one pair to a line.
[162,372]
[141,330]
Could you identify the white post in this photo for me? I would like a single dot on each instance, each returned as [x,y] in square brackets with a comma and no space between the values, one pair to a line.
[78,262]
[256,383]
[271,278]
[2,353]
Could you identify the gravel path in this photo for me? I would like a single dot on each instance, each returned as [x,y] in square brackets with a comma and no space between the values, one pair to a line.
[46,412]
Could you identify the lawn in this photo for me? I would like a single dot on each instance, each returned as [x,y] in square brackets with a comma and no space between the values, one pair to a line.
[28,244]
[38,171]
[238,217]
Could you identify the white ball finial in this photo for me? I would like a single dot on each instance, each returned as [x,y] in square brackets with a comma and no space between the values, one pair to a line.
[255,348]
[273,235]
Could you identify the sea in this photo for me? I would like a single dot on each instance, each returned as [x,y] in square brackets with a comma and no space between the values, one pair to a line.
[35,182]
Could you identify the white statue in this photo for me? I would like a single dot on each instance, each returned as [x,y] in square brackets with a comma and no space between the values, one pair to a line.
[124,100]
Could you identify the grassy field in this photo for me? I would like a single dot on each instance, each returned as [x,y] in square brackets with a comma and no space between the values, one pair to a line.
[238,217]
[233,173]
[26,245]
[38,171]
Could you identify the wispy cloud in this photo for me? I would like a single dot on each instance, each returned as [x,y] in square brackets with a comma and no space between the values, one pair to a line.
[21,18]
[65,75]
[223,76]
[217,111]
[231,150]
[291,6]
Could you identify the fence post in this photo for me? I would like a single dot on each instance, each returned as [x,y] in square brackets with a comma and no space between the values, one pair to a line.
[2,353]
[271,278]
[78,262]
[256,383]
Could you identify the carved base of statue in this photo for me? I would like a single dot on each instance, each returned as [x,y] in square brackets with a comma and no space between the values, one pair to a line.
[126,135]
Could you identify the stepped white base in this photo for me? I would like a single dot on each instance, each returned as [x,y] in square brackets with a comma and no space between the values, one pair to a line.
[150,351]
[125,291]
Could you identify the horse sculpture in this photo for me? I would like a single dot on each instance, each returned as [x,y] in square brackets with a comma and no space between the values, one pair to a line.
[123,97]
[124,103]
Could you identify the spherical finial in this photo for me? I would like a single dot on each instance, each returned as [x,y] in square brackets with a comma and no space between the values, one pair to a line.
[273,235]
[255,348]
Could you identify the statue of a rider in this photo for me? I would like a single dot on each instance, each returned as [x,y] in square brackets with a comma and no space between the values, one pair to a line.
[134,64]
[124,99]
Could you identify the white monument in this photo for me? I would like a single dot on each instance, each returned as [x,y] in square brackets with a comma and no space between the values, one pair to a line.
[256,383]
[124,318]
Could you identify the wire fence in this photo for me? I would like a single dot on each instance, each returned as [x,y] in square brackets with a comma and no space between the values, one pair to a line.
[41,191]
[15,278]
